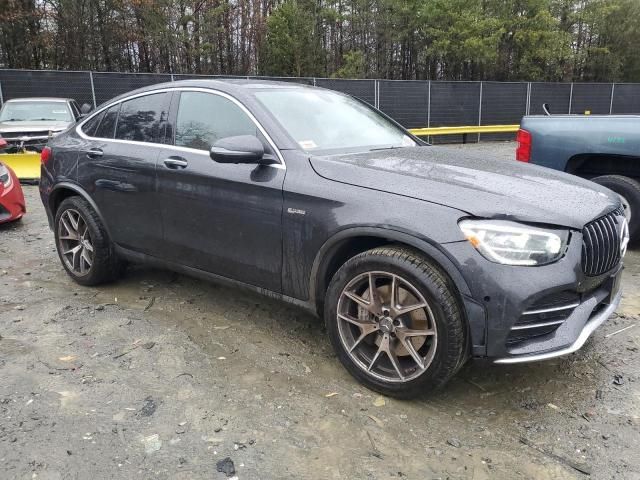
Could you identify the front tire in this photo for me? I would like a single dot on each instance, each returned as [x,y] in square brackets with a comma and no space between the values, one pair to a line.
[83,245]
[395,322]
[629,191]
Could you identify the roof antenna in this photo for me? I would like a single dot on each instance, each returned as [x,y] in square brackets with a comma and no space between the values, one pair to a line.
[545,107]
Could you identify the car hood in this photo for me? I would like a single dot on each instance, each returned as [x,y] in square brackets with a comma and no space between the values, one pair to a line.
[31,126]
[478,185]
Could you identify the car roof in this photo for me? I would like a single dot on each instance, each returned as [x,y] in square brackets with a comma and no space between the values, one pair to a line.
[232,86]
[38,99]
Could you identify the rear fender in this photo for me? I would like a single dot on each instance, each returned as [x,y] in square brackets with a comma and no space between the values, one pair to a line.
[59,190]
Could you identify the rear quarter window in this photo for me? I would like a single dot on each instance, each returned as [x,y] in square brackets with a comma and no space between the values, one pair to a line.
[107,126]
[91,125]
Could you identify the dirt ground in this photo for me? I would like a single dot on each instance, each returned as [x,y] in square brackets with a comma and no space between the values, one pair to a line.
[163,376]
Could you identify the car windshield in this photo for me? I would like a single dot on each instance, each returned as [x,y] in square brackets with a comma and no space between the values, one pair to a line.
[321,120]
[35,111]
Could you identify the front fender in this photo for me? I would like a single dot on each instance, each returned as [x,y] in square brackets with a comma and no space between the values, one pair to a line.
[423,244]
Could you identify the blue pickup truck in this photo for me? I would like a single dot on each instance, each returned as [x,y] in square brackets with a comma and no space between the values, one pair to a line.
[602,148]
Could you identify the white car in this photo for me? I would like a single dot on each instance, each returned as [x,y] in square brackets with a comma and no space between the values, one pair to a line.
[27,123]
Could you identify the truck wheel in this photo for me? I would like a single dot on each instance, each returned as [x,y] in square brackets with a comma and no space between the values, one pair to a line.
[629,191]
[83,244]
[395,322]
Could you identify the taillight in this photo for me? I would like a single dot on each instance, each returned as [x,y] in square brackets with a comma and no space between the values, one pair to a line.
[45,155]
[523,152]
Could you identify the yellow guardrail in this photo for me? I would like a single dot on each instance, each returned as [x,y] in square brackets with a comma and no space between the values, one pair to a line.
[25,165]
[464,131]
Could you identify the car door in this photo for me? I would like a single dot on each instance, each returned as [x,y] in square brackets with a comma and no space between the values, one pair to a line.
[119,169]
[220,218]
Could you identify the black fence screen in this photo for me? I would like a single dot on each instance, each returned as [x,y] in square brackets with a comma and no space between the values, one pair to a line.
[591,97]
[626,98]
[412,103]
[109,85]
[406,101]
[556,95]
[512,98]
[26,83]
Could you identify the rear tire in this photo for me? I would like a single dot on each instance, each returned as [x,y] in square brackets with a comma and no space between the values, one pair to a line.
[417,337]
[83,244]
[629,190]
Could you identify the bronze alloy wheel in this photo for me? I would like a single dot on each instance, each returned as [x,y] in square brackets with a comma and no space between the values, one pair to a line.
[386,326]
[74,242]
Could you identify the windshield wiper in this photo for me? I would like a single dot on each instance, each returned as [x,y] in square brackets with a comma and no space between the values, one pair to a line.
[42,120]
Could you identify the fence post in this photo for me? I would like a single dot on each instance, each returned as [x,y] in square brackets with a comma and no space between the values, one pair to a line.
[527,108]
[480,110]
[613,89]
[93,90]
[1,95]
[570,98]
[172,77]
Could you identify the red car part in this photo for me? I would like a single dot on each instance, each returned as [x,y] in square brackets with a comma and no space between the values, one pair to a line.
[12,205]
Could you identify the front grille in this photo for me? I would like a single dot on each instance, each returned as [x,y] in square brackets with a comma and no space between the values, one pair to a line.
[518,336]
[19,135]
[15,146]
[601,244]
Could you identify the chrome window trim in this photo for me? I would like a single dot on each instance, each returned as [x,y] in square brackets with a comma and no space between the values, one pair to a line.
[211,91]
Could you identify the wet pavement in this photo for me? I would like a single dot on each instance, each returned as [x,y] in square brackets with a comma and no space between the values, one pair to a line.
[164,376]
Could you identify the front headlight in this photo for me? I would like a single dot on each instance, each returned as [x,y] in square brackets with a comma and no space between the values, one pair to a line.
[512,243]
[5,178]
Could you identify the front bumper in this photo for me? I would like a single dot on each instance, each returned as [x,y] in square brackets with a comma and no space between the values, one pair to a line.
[570,328]
[522,314]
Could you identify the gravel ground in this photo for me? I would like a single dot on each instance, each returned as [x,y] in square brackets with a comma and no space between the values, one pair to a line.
[163,376]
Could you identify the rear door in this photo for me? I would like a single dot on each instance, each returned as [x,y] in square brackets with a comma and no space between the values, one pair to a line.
[221,218]
[119,169]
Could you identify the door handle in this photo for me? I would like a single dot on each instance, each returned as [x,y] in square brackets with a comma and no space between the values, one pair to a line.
[94,152]
[175,162]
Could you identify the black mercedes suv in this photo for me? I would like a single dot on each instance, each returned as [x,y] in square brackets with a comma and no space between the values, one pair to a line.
[417,257]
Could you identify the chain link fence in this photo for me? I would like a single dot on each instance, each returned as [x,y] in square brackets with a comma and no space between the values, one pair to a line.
[413,103]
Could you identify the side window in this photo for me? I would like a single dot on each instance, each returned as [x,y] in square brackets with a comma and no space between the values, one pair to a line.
[108,124]
[141,119]
[90,127]
[204,118]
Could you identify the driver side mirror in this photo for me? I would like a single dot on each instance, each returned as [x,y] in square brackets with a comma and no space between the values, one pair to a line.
[240,149]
